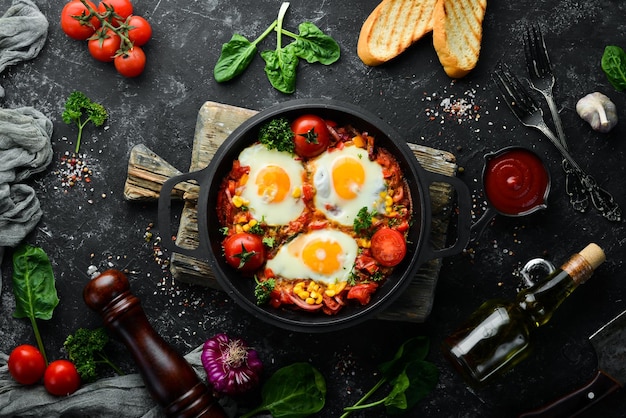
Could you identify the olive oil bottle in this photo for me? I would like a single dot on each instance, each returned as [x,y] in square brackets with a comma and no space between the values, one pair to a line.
[497,335]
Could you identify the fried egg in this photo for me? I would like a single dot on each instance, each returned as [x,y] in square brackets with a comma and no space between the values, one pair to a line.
[272,189]
[324,255]
[345,181]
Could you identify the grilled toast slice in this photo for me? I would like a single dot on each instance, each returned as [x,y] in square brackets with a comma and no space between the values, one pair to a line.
[457,34]
[392,27]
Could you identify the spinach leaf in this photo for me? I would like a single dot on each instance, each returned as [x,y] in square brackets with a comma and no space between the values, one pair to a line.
[295,391]
[422,378]
[235,58]
[313,45]
[280,67]
[410,376]
[614,66]
[33,287]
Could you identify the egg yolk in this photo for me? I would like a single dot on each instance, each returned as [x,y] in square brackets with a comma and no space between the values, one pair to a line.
[273,183]
[322,256]
[348,177]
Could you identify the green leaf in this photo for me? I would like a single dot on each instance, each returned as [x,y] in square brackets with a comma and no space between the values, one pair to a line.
[313,45]
[235,58]
[397,397]
[295,391]
[33,284]
[614,66]
[414,349]
[280,67]
[422,378]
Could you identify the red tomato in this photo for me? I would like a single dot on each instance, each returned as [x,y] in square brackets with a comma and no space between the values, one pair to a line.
[131,63]
[244,251]
[61,378]
[121,8]
[388,247]
[311,135]
[105,46]
[362,292]
[140,30]
[81,28]
[26,364]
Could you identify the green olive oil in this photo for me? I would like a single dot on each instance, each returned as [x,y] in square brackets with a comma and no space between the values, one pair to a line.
[497,336]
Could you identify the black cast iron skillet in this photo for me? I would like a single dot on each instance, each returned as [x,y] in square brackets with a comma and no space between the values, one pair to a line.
[241,289]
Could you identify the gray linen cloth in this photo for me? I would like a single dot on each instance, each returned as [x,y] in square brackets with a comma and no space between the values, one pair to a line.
[25,149]
[119,397]
[23,32]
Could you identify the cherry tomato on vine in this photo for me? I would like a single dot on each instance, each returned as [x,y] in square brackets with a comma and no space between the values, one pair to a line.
[131,63]
[311,135]
[244,251]
[79,29]
[26,364]
[140,32]
[61,378]
[122,8]
[104,45]
[388,247]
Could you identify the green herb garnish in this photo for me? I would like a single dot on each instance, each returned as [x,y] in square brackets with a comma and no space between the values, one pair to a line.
[277,134]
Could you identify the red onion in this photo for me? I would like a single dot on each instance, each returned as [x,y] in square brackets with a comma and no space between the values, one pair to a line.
[232,368]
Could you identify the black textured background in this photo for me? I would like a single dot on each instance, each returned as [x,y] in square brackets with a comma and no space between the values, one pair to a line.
[92,224]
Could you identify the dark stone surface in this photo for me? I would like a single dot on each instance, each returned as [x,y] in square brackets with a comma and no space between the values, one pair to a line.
[91,224]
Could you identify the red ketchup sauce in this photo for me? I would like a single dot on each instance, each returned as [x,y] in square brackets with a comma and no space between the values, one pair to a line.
[516,181]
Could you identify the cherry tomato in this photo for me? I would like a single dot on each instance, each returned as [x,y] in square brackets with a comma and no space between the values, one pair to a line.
[311,135]
[26,364]
[105,45]
[76,28]
[388,247]
[122,8]
[244,251]
[61,378]
[140,32]
[131,63]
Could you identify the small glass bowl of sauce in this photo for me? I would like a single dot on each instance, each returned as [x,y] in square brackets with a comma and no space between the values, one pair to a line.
[516,182]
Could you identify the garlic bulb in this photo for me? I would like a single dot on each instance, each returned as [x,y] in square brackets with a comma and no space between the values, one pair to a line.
[597,110]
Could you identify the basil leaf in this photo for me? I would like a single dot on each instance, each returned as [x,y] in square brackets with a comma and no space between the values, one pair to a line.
[294,391]
[33,284]
[422,378]
[236,56]
[313,45]
[614,66]
[280,67]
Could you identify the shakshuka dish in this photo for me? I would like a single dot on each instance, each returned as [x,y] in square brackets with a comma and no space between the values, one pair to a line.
[315,213]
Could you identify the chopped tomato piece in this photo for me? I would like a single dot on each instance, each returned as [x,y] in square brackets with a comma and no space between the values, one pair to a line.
[362,292]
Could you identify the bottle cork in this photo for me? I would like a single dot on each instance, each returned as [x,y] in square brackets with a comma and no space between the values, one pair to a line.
[593,254]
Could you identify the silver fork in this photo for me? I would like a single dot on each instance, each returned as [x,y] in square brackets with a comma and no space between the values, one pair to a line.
[541,78]
[526,109]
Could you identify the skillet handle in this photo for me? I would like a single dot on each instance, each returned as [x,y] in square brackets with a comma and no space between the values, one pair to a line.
[165,213]
[464,216]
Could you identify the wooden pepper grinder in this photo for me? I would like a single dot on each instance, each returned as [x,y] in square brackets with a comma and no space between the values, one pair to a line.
[171,381]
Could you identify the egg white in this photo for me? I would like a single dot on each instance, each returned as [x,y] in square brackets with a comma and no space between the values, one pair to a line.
[367,194]
[262,206]
[290,261]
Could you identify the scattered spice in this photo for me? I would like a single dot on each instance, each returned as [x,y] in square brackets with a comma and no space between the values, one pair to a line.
[451,107]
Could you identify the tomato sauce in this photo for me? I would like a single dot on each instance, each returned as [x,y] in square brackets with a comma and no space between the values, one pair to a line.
[515,181]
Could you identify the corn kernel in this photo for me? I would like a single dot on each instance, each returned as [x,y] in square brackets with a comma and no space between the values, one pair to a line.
[310,301]
[359,141]
[319,299]
[340,286]
[253,223]
[238,228]
[297,192]
[245,227]
[314,294]
[330,292]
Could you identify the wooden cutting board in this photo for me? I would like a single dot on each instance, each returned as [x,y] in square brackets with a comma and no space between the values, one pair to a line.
[147,172]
